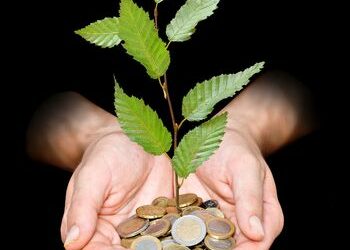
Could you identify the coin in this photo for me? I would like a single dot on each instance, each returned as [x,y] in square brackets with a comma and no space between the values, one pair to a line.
[190,209]
[214,244]
[184,200]
[166,242]
[174,246]
[188,230]
[160,202]
[150,212]
[198,202]
[146,242]
[172,217]
[171,210]
[216,212]
[132,226]
[126,242]
[203,214]
[210,203]
[220,228]
[157,228]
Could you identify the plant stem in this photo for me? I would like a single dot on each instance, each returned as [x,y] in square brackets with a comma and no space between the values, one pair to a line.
[155,13]
[175,131]
[165,89]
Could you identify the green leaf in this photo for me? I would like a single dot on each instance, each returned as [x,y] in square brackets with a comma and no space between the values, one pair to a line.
[141,124]
[200,101]
[186,19]
[158,1]
[103,33]
[198,145]
[142,40]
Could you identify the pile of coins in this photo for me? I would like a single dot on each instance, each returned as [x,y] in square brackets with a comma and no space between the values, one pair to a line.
[200,225]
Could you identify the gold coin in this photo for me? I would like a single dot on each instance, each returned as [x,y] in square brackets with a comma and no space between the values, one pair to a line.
[190,209]
[146,242]
[215,211]
[214,244]
[132,226]
[203,214]
[172,217]
[184,200]
[157,228]
[188,230]
[160,202]
[174,246]
[220,228]
[126,242]
[150,212]
[198,202]
[171,210]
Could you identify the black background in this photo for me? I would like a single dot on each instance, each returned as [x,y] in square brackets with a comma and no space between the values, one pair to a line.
[49,58]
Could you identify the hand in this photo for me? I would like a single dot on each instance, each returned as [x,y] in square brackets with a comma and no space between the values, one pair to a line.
[114,177]
[239,178]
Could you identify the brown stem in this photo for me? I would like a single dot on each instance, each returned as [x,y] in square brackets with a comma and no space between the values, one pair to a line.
[175,130]
[155,13]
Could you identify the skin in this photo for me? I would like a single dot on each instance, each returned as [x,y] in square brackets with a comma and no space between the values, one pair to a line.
[103,191]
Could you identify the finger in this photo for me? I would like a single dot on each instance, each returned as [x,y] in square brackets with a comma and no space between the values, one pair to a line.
[105,237]
[87,199]
[67,203]
[273,218]
[247,182]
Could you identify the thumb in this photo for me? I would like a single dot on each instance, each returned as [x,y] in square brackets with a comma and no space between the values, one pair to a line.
[86,202]
[248,194]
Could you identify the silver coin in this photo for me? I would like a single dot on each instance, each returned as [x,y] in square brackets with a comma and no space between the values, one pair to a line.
[146,242]
[188,230]
[174,246]
[214,244]
[166,242]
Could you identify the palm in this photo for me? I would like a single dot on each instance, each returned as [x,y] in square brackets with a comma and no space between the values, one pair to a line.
[127,176]
[215,180]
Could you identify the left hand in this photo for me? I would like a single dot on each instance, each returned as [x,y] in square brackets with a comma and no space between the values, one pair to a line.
[239,178]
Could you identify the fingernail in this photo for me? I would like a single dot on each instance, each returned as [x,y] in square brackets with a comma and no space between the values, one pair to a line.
[255,225]
[72,235]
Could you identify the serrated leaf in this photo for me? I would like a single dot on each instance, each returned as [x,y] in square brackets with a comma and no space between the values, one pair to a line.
[141,124]
[198,145]
[200,101]
[103,33]
[141,39]
[186,19]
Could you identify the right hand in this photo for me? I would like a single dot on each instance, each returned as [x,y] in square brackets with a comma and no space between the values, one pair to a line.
[114,177]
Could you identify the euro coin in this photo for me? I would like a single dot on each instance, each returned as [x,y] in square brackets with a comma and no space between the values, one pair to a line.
[184,200]
[172,217]
[171,210]
[174,246]
[146,242]
[203,214]
[160,202]
[214,244]
[188,230]
[220,228]
[157,228]
[198,202]
[210,203]
[190,209]
[216,212]
[126,242]
[132,226]
[167,242]
[150,212]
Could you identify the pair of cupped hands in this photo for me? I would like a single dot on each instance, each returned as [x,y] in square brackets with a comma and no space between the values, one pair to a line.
[116,176]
